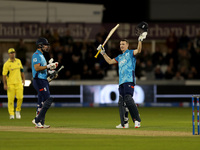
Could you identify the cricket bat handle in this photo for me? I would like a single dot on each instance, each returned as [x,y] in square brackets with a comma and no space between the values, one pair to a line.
[60,69]
[100,50]
[97,53]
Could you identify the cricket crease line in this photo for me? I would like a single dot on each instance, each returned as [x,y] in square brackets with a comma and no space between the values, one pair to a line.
[95,131]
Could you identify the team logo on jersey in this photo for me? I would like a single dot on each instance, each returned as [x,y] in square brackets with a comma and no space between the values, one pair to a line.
[123,61]
[35,60]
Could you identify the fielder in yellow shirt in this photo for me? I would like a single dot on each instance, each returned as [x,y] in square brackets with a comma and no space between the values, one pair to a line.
[13,79]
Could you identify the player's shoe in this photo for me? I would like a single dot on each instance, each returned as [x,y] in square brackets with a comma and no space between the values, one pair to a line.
[46,126]
[38,125]
[137,124]
[18,115]
[33,121]
[120,126]
[12,117]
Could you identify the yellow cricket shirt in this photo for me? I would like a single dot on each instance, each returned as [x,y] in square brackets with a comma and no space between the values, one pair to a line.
[12,71]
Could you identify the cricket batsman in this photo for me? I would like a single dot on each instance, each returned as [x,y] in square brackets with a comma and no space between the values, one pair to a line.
[40,82]
[13,80]
[127,63]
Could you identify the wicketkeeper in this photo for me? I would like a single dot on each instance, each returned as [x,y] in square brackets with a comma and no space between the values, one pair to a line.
[40,82]
[127,63]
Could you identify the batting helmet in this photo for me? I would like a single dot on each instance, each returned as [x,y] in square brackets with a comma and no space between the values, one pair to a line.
[141,27]
[41,41]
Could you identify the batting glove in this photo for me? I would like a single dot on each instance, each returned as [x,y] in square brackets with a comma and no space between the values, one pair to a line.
[51,60]
[51,71]
[142,36]
[52,66]
[100,47]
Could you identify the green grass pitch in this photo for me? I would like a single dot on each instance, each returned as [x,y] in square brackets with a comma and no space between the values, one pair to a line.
[162,121]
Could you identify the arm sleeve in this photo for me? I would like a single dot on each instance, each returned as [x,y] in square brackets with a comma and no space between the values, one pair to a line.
[21,67]
[116,59]
[5,70]
[132,53]
[36,59]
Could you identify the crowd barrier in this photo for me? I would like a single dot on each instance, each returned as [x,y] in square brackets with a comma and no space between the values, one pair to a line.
[105,94]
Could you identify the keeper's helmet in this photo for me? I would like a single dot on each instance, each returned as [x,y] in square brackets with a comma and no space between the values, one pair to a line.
[41,42]
[141,27]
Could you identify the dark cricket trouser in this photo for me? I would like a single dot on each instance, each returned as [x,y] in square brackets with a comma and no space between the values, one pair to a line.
[42,88]
[126,91]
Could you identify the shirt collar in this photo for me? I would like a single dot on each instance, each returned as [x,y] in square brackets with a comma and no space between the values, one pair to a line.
[126,51]
[11,60]
[38,51]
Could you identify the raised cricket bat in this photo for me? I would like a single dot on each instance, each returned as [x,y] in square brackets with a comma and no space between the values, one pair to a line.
[53,75]
[107,38]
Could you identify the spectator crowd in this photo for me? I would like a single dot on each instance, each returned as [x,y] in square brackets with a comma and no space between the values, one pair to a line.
[180,61]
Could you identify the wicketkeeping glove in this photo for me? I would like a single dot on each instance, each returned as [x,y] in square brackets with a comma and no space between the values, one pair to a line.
[142,36]
[100,47]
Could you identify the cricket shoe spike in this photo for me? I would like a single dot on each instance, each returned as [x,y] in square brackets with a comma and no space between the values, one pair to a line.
[120,126]
[137,124]
[38,125]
